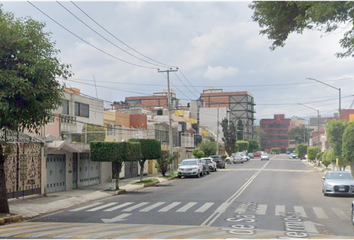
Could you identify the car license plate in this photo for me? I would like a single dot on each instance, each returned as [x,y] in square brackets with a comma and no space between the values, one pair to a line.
[341,189]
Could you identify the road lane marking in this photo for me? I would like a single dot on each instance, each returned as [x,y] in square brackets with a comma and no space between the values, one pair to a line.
[214,216]
[279,210]
[242,208]
[319,212]
[186,207]
[300,211]
[205,207]
[85,207]
[169,207]
[101,207]
[340,213]
[152,207]
[118,207]
[135,207]
[261,209]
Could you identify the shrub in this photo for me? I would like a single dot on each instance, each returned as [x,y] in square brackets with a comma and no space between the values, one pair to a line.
[311,152]
[200,154]
[325,160]
[275,150]
[319,156]
[301,150]
[195,151]
[243,145]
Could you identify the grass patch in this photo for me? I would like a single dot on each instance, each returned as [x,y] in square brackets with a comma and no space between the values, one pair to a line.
[146,181]
[170,175]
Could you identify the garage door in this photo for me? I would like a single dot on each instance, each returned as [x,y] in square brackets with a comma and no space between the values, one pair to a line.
[56,172]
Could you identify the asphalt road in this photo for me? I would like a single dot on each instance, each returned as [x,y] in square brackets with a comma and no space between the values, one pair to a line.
[258,199]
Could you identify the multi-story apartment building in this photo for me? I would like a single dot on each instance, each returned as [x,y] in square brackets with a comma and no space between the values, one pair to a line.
[240,104]
[276,132]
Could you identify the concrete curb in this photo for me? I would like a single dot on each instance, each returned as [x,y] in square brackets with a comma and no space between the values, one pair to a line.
[11,219]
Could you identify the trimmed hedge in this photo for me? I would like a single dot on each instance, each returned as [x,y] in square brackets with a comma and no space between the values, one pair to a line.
[150,148]
[115,151]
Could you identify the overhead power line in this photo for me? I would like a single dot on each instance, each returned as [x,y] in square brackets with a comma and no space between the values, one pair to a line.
[165,65]
[133,64]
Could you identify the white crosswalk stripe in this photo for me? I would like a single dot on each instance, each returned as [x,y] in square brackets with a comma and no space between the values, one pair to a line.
[205,207]
[118,207]
[169,207]
[319,212]
[300,211]
[135,207]
[101,207]
[186,207]
[86,207]
[241,209]
[279,210]
[261,209]
[147,209]
[340,213]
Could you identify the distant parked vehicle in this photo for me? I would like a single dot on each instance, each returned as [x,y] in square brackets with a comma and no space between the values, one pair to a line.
[251,155]
[238,158]
[211,164]
[257,154]
[292,156]
[205,167]
[228,160]
[191,167]
[264,156]
[220,163]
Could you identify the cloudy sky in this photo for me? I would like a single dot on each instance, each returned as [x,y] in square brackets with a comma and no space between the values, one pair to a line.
[212,43]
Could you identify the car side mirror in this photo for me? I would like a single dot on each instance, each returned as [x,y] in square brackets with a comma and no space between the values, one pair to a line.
[323,178]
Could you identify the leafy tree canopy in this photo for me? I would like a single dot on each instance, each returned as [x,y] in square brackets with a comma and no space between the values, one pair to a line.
[299,134]
[243,145]
[335,130]
[254,145]
[280,18]
[28,88]
[240,128]
[91,132]
[209,148]
[348,145]
[229,131]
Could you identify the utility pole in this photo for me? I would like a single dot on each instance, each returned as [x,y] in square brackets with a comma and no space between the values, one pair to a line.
[170,136]
[217,130]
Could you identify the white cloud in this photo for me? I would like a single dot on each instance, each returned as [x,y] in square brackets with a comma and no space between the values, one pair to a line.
[216,73]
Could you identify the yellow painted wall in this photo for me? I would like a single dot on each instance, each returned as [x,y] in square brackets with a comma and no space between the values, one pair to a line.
[351,117]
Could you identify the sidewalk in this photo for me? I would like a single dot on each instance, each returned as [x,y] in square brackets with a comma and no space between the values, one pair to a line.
[322,167]
[34,206]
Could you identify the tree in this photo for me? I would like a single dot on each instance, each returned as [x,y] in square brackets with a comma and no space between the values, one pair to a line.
[243,145]
[299,134]
[280,18]
[195,152]
[209,148]
[325,160]
[229,131]
[239,130]
[335,130]
[117,152]
[165,160]
[28,88]
[258,133]
[200,154]
[319,156]
[92,132]
[150,149]
[312,152]
[331,157]
[348,146]
[301,150]
[253,145]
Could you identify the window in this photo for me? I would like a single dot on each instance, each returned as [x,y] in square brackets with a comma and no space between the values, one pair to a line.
[110,130]
[65,105]
[82,109]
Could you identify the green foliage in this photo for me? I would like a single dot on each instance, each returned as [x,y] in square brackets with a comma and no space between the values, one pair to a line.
[290,149]
[331,157]
[258,133]
[275,150]
[278,19]
[243,145]
[164,162]
[209,148]
[334,131]
[301,150]
[197,139]
[319,156]
[150,148]
[95,133]
[29,90]
[240,128]
[223,156]
[200,154]
[325,160]
[299,134]
[229,131]
[312,152]
[253,146]
[348,143]
[195,152]
[114,151]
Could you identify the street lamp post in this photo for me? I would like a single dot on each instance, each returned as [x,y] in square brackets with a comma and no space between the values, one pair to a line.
[340,95]
[318,124]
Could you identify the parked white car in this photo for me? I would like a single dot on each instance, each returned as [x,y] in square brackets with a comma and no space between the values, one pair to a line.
[238,158]
[191,167]
[211,164]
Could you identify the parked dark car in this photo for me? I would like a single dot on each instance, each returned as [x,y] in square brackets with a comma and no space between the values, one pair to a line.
[220,162]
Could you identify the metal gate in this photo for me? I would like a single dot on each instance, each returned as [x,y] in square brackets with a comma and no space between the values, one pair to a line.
[89,171]
[131,169]
[75,169]
[56,165]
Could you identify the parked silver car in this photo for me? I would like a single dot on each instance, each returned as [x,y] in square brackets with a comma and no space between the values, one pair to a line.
[211,164]
[264,156]
[191,167]
[238,158]
[338,183]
